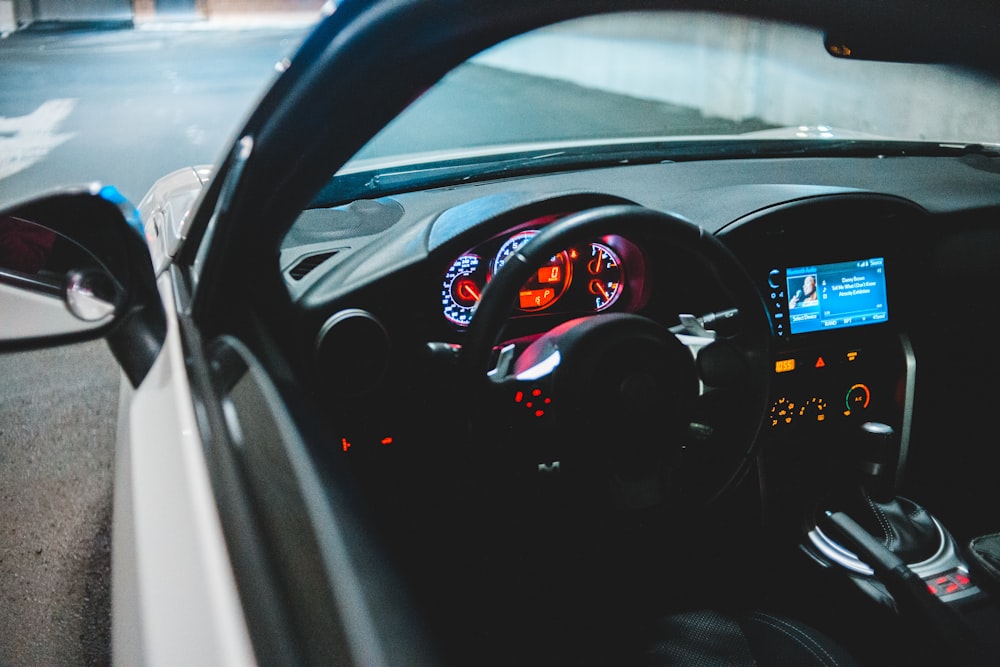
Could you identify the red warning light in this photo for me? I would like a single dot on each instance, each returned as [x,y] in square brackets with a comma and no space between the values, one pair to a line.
[345,444]
[386,440]
[820,363]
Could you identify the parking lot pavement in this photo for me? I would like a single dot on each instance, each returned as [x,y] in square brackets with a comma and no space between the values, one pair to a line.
[141,103]
[57,413]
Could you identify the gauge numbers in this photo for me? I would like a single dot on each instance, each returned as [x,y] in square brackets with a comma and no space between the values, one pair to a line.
[590,278]
[509,247]
[462,286]
[604,276]
[547,284]
[786,411]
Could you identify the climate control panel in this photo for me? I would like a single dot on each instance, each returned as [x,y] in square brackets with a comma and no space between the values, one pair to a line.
[818,387]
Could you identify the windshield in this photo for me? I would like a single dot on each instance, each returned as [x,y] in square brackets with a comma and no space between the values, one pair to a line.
[672,75]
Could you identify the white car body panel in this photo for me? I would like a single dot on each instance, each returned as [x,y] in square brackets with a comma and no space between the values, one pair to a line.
[37,314]
[166,212]
[175,600]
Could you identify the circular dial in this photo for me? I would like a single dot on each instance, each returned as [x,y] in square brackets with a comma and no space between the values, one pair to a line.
[857,399]
[604,276]
[547,284]
[509,247]
[782,412]
[814,409]
[786,411]
[463,283]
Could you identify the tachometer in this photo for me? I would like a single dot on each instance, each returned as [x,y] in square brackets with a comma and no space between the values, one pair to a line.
[460,290]
[604,276]
[509,247]
[547,284]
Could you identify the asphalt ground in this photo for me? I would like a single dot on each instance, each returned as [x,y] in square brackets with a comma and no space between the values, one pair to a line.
[126,107]
[57,415]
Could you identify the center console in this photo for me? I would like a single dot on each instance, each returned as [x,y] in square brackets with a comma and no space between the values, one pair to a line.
[834,448]
[840,361]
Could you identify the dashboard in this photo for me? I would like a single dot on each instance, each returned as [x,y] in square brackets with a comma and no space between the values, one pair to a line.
[844,253]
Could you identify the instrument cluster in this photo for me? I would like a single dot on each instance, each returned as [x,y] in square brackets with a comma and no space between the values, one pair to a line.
[588,278]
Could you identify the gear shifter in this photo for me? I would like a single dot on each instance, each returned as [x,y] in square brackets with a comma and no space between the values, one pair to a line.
[897,553]
[903,527]
[877,455]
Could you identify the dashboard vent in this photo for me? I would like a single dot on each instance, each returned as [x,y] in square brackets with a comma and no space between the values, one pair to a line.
[307,264]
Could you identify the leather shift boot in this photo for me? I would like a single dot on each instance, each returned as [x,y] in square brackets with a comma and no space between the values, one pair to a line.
[904,527]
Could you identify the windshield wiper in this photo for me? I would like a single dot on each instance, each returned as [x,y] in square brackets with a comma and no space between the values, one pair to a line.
[349,186]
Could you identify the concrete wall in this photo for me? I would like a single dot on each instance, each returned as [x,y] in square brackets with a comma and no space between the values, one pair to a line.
[15,13]
[147,9]
[29,11]
[8,21]
[241,6]
[736,68]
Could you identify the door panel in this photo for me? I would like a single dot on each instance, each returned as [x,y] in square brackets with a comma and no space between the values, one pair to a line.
[314,581]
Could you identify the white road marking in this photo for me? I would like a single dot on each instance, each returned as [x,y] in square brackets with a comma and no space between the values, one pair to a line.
[25,140]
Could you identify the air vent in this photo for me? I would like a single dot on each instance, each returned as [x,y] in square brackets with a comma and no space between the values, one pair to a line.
[307,264]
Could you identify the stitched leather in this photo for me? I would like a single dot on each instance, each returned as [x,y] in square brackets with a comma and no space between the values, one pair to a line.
[904,527]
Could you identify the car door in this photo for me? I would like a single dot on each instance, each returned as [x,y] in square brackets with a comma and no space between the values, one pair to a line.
[299,568]
[234,530]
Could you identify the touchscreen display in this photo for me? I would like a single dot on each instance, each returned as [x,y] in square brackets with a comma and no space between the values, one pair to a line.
[833,296]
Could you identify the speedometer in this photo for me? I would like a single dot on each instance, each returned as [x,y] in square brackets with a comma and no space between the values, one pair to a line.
[461,287]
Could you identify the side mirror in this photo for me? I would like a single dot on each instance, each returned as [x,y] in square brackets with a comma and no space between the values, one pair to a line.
[74,266]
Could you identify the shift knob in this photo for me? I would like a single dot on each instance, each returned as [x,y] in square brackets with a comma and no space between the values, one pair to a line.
[878,451]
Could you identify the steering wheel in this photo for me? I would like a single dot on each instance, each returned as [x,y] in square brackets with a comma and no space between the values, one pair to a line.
[613,401]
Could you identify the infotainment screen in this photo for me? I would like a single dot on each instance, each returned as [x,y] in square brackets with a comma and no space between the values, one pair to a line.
[834,296]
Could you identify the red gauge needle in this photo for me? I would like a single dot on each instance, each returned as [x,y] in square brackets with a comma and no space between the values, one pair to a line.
[596,285]
[467,290]
[595,264]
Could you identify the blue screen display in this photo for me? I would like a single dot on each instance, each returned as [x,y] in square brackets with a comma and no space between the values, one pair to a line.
[834,296]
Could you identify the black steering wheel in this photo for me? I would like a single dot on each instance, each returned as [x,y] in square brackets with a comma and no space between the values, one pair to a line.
[615,401]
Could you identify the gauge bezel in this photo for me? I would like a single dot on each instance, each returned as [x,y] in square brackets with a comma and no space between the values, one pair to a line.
[453,309]
[619,286]
[575,298]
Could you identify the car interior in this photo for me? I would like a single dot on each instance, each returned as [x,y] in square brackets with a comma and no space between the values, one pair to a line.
[526,514]
[656,401]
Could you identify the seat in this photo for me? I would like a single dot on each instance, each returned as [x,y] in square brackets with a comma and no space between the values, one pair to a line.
[713,638]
